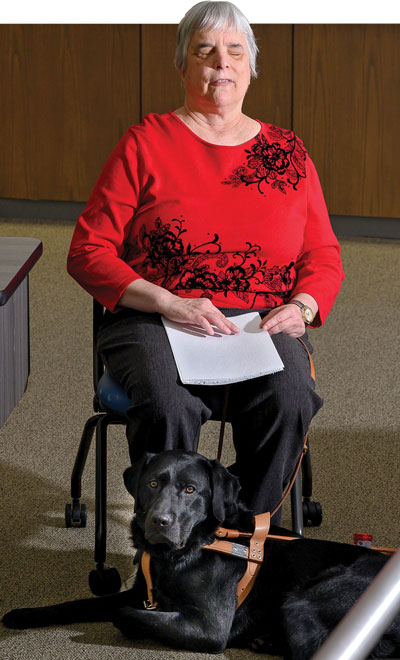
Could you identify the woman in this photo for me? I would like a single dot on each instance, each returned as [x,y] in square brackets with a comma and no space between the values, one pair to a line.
[199,215]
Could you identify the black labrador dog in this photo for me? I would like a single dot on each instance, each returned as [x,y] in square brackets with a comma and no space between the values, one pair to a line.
[303,588]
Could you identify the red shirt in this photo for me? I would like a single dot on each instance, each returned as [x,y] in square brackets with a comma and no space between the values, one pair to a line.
[246,226]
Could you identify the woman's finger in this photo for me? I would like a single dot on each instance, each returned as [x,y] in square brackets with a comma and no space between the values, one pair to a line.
[202,312]
[284,319]
[223,324]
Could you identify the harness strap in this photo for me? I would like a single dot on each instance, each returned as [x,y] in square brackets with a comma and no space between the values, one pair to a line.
[256,556]
[149,604]
[223,533]
[254,553]
[220,544]
[312,368]
[385,551]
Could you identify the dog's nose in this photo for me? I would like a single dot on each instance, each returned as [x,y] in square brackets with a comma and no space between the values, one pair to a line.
[161,520]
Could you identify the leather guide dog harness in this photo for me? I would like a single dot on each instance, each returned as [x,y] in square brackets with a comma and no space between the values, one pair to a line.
[255,552]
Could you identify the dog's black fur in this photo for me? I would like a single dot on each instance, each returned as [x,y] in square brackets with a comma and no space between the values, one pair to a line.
[302,591]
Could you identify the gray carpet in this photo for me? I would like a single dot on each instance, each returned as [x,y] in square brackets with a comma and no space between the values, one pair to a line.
[354,440]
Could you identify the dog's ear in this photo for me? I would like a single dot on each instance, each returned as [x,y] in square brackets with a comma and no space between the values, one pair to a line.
[225,490]
[132,475]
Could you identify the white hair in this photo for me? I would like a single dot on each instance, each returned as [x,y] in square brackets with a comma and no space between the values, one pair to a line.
[213,16]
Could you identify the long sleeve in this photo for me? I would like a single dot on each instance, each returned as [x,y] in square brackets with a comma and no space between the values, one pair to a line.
[319,267]
[95,258]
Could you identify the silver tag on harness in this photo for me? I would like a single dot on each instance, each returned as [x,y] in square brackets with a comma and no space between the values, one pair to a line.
[239,550]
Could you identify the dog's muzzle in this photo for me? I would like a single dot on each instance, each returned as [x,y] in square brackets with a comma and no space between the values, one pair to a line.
[162,527]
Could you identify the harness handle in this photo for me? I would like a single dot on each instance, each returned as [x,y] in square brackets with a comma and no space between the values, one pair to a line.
[293,479]
[305,444]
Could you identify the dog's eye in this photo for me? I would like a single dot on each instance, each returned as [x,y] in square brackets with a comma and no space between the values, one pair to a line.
[190,489]
[153,483]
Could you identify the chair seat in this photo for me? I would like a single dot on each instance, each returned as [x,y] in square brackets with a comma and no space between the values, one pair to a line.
[111,395]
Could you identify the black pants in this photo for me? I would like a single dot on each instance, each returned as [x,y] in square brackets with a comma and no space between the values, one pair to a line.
[270,415]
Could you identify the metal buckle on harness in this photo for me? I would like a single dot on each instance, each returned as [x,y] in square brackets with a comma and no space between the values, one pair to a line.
[148,606]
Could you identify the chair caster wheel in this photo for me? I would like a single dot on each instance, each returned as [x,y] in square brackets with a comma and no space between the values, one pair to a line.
[75,514]
[104,581]
[312,514]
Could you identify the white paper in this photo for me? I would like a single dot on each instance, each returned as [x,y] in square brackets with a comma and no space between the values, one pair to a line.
[219,359]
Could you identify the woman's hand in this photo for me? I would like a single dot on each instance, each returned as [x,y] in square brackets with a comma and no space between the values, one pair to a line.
[199,311]
[148,297]
[287,319]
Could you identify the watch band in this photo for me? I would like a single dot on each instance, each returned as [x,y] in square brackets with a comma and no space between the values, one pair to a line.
[306,312]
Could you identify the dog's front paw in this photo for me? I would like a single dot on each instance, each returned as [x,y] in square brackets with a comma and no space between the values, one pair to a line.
[263,645]
[27,617]
[123,621]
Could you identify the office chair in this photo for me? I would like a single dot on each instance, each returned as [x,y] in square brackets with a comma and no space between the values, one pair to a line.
[110,404]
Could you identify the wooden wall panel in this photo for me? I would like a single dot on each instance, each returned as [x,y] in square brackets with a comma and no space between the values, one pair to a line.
[346,109]
[72,90]
[161,87]
[268,98]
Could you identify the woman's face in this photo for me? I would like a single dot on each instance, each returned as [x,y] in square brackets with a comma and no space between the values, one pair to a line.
[217,69]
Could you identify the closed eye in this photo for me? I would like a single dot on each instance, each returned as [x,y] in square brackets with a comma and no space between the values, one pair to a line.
[204,52]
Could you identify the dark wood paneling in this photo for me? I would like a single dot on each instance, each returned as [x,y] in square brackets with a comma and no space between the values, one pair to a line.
[72,90]
[346,109]
[69,92]
[162,90]
[268,98]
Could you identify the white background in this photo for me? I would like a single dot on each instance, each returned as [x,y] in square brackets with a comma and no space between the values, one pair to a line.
[165,11]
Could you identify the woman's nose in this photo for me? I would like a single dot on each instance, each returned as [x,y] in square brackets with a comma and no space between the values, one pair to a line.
[220,60]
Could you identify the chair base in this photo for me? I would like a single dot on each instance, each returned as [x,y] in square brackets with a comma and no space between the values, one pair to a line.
[102,580]
[75,514]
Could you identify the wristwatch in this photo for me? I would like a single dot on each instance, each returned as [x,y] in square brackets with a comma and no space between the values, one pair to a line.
[306,312]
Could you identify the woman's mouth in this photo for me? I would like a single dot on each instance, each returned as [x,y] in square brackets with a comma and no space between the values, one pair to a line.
[221,81]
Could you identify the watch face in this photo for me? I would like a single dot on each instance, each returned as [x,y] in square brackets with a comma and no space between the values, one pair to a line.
[308,314]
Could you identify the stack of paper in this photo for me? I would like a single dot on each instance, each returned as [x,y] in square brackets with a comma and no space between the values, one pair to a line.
[218,359]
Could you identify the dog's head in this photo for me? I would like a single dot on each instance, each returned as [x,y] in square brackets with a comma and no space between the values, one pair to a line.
[176,491]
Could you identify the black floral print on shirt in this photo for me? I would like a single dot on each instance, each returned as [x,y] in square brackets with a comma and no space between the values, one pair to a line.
[277,160]
[177,266]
